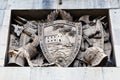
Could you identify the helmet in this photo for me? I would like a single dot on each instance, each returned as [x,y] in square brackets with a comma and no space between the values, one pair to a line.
[95,56]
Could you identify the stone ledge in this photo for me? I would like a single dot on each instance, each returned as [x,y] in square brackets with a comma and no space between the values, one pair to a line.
[52,4]
[13,73]
[66,73]
[111,73]
[59,73]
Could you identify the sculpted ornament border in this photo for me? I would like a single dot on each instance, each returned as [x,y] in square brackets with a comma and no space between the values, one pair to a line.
[95,38]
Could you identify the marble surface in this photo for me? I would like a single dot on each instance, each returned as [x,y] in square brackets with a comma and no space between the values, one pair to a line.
[52,4]
[14,73]
[37,73]
[1,17]
[3,4]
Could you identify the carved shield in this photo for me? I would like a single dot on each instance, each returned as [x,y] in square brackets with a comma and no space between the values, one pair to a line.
[60,41]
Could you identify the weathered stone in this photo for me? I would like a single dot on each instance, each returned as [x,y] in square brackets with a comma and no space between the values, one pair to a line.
[110,73]
[1,17]
[14,4]
[15,73]
[3,4]
[66,73]
[58,42]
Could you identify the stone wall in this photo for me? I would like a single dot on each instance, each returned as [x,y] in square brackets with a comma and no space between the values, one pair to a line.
[37,73]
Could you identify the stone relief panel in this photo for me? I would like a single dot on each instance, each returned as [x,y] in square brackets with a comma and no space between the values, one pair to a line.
[60,38]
